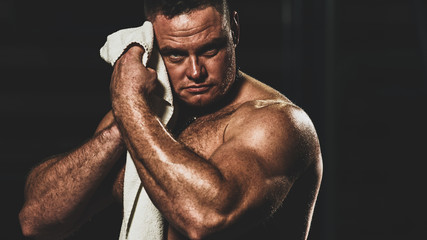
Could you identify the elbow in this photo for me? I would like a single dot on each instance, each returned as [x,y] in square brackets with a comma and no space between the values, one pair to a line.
[29,232]
[214,217]
[199,233]
[32,227]
[206,227]
[28,226]
[214,221]
[197,236]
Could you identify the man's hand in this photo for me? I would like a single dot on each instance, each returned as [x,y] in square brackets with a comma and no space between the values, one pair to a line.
[130,77]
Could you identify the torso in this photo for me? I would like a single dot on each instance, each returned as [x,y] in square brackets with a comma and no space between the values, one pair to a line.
[206,134]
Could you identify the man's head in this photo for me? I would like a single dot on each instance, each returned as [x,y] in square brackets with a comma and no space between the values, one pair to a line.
[172,8]
[197,40]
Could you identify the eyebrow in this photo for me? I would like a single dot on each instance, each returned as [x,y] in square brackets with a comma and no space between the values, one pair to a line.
[219,43]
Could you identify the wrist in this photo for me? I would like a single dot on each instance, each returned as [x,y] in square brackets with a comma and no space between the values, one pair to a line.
[112,134]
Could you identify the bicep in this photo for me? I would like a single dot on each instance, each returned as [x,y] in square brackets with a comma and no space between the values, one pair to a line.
[261,186]
[263,156]
[258,173]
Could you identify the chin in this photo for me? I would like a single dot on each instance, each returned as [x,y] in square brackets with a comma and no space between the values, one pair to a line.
[199,104]
[200,101]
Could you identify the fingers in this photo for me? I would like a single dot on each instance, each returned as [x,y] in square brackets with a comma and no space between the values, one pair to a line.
[132,56]
[136,50]
[133,52]
[152,72]
[130,76]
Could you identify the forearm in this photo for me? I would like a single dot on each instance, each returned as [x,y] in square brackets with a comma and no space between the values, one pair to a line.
[58,191]
[188,189]
[183,185]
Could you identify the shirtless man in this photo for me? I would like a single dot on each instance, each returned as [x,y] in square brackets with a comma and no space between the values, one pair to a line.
[247,167]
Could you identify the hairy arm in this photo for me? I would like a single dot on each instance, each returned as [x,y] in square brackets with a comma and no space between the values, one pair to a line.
[67,189]
[244,180]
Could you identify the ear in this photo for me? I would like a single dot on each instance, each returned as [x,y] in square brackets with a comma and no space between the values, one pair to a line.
[235,27]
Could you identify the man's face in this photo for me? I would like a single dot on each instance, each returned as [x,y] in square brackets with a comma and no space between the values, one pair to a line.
[199,54]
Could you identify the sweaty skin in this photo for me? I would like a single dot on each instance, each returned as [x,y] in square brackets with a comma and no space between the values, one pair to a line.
[248,167]
[232,167]
[66,190]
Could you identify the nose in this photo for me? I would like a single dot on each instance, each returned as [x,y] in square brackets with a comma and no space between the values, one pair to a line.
[196,70]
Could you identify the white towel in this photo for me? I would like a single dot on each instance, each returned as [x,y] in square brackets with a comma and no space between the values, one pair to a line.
[141,219]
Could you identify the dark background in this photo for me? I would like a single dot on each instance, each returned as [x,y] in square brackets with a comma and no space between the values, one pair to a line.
[358,67]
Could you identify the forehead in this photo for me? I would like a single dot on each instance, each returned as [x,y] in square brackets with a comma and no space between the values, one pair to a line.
[187,28]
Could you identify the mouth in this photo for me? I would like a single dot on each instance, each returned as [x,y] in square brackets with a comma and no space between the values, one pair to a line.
[198,89]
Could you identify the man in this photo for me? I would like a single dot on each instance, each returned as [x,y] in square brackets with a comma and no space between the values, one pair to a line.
[241,162]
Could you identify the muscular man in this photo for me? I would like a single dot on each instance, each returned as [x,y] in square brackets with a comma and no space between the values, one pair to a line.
[241,162]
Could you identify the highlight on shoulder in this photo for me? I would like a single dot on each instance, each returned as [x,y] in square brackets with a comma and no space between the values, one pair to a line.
[280,119]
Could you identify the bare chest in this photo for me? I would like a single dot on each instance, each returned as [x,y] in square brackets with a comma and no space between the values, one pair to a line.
[205,134]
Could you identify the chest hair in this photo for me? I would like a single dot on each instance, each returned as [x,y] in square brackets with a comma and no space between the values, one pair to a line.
[206,133]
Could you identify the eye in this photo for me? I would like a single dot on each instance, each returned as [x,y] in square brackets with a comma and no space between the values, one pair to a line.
[211,52]
[175,57]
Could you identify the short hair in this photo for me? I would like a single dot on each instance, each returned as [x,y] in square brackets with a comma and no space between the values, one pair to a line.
[172,8]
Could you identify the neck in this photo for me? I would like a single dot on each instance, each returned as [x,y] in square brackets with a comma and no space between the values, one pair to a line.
[188,114]
[229,99]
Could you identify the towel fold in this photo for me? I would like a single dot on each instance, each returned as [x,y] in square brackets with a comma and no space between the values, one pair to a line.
[141,219]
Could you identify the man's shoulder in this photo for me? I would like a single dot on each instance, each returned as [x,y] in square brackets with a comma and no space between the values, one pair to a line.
[277,112]
[266,106]
[275,123]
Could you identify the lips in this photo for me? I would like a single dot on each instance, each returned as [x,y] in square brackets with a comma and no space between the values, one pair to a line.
[198,89]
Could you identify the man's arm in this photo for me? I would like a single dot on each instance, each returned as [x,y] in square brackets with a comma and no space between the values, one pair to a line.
[245,179]
[66,190]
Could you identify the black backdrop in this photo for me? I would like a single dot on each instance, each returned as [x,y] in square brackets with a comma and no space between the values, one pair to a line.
[358,67]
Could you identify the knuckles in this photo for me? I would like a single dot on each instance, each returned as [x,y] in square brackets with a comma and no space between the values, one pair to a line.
[129,74]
